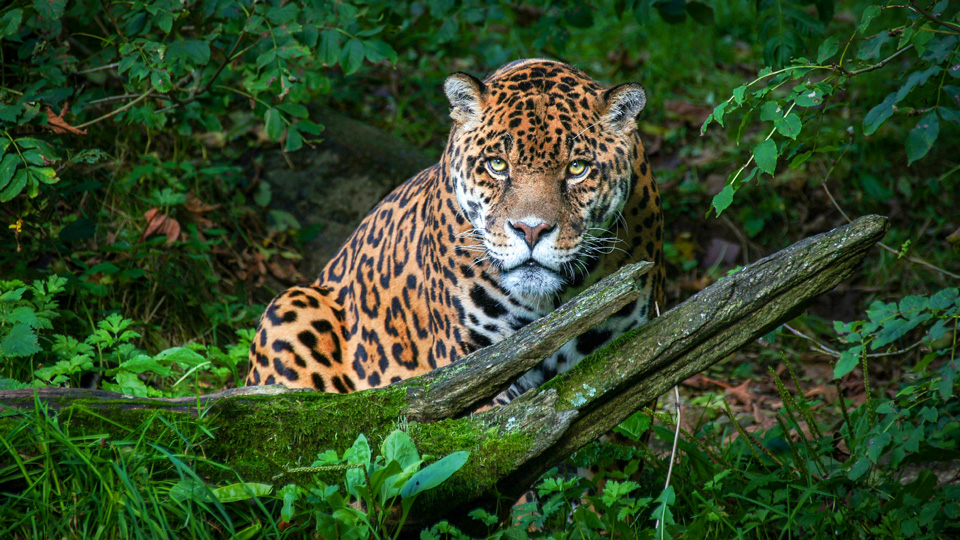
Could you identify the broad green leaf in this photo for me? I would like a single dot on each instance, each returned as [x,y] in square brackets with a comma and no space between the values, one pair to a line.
[160,80]
[195,51]
[434,474]
[329,47]
[143,363]
[868,16]
[283,14]
[273,124]
[399,447]
[293,109]
[870,48]
[47,175]
[876,444]
[879,114]
[718,113]
[241,491]
[8,165]
[921,138]
[949,115]
[294,140]
[800,159]
[638,423]
[358,454]
[23,314]
[765,154]
[15,186]
[827,49]
[771,111]
[183,357]
[848,361]
[789,126]
[351,57]
[50,9]
[377,50]
[10,22]
[738,94]
[722,200]
[917,78]
[809,97]
[20,341]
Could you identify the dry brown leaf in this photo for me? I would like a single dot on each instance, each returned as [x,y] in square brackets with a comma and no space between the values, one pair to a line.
[57,123]
[158,223]
[741,392]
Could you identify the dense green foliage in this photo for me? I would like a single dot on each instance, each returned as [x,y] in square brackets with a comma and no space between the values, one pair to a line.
[138,236]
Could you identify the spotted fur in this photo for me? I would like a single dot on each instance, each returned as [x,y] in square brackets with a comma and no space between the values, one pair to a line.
[505,228]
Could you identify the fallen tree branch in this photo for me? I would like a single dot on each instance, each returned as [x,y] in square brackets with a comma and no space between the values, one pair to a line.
[256,429]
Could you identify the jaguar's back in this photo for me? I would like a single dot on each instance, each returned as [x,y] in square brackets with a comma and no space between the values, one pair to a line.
[543,188]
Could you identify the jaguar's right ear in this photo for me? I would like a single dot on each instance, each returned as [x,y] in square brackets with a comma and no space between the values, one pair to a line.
[464,93]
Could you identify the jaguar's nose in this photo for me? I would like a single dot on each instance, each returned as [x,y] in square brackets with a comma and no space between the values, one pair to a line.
[531,234]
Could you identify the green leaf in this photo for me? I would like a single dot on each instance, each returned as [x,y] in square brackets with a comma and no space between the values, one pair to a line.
[950,115]
[47,175]
[770,111]
[848,361]
[868,16]
[636,425]
[8,165]
[182,356]
[377,50]
[20,341]
[351,57]
[273,124]
[876,444]
[917,78]
[14,187]
[194,51]
[294,140]
[293,109]
[718,114]
[765,154]
[143,363]
[25,315]
[809,97]
[722,200]
[50,10]
[10,22]
[879,114]
[827,49]
[399,447]
[283,14]
[789,126]
[160,80]
[241,491]
[921,138]
[434,474]
[358,454]
[738,93]
[329,47]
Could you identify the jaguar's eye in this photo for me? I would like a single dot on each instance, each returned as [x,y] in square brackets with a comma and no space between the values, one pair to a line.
[496,166]
[577,168]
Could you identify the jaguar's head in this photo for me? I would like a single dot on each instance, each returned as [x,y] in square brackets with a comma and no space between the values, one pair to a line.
[541,161]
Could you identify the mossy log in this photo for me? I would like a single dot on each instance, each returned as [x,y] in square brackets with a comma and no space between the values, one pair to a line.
[260,432]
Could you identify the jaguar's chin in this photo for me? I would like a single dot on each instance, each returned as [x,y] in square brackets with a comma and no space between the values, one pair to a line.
[532,280]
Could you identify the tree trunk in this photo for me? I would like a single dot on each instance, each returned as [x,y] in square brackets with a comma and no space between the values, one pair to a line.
[255,429]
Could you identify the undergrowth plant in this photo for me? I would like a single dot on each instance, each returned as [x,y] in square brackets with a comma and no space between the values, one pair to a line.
[107,358]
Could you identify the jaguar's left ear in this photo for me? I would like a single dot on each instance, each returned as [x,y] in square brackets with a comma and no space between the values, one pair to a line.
[464,93]
[623,105]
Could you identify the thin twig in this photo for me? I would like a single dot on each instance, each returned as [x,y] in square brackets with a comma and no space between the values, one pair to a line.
[114,112]
[896,252]
[98,68]
[932,17]
[127,96]
[878,65]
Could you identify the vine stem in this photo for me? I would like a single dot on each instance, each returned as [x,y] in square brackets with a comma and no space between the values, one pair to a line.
[115,112]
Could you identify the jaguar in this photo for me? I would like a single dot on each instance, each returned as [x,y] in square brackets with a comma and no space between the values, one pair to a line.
[544,187]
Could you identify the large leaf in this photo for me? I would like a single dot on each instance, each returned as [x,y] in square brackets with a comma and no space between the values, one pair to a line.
[434,474]
[241,491]
[921,138]
[351,56]
[21,340]
[765,155]
[879,114]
